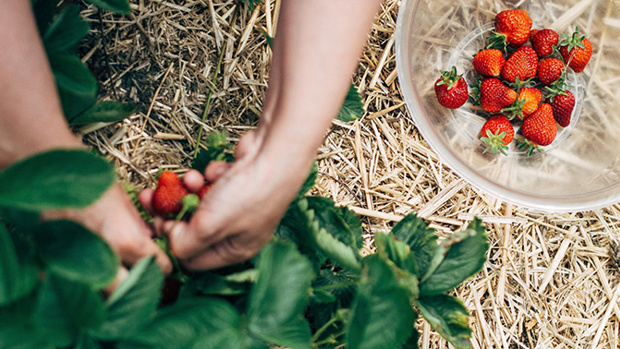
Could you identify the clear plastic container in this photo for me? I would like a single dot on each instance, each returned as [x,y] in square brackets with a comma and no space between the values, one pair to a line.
[580,170]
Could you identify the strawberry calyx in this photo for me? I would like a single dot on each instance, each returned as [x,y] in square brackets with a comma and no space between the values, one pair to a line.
[518,83]
[475,93]
[497,41]
[190,204]
[572,41]
[495,142]
[515,109]
[449,78]
[555,89]
[528,146]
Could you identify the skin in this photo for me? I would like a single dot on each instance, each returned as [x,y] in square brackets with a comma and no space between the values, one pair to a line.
[315,53]
[31,120]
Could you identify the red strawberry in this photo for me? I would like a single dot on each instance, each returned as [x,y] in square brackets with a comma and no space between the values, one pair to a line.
[169,194]
[550,70]
[521,64]
[562,105]
[539,129]
[543,41]
[528,100]
[497,133]
[533,33]
[576,51]
[512,27]
[495,95]
[203,191]
[489,62]
[451,89]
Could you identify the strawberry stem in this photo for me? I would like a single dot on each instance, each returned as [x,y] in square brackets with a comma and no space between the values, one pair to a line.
[190,204]
[495,142]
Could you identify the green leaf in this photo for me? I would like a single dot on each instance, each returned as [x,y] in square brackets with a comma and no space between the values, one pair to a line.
[465,254]
[182,324]
[396,251]
[118,6]
[64,308]
[382,316]
[329,245]
[422,240]
[279,297]
[55,179]
[17,328]
[44,12]
[65,31]
[209,283]
[449,317]
[310,180]
[85,341]
[412,342]
[340,222]
[132,305]
[217,149]
[73,252]
[77,87]
[17,278]
[108,111]
[352,107]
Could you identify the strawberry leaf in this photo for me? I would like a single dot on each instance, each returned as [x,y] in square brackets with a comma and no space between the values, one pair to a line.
[382,317]
[76,85]
[352,108]
[279,297]
[18,276]
[459,257]
[447,316]
[132,305]
[108,111]
[65,308]
[65,32]
[17,328]
[61,243]
[55,179]
[118,6]
[421,239]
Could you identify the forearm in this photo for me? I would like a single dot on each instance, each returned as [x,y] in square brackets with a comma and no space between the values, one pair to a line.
[31,118]
[316,50]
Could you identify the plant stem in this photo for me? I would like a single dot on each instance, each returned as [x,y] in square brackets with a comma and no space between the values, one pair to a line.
[323,328]
[205,112]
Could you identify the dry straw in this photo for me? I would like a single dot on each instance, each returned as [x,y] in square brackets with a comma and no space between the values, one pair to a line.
[550,280]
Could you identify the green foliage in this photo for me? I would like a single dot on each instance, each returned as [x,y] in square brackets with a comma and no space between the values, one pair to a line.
[448,317]
[118,6]
[17,277]
[217,149]
[352,107]
[108,111]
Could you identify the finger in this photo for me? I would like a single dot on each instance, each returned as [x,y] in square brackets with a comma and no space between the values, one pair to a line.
[131,251]
[121,275]
[193,181]
[145,198]
[224,253]
[184,243]
[246,144]
[216,169]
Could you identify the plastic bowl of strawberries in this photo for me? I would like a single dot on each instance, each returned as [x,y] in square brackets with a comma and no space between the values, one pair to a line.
[520,98]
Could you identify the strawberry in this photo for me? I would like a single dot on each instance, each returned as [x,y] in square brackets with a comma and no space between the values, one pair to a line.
[495,95]
[497,133]
[489,62]
[539,129]
[576,51]
[512,27]
[550,70]
[562,105]
[172,198]
[528,100]
[543,41]
[522,64]
[451,89]
[169,194]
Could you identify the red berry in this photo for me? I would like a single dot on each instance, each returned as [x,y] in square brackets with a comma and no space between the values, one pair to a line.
[203,191]
[169,194]
[489,62]
[514,25]
[539,129]
[521,64]
[576,51]
[562,106]
[543,41]
[495,95]
[550,70]
[497,133]
[451,89]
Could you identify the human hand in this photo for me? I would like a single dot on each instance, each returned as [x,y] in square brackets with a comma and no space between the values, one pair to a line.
[115,218]
[238,215]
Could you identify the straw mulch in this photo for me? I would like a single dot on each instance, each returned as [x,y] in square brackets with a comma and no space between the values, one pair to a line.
[550,280]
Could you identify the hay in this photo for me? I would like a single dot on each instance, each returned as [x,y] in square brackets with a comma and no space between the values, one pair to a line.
[551,280]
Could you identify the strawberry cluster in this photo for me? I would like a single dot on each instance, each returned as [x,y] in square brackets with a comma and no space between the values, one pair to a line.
[520,83]
[172,199]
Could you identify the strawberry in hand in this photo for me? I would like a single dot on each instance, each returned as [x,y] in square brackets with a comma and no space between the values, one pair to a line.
[576,51]
[451,89]
[497,133]
[172,198]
